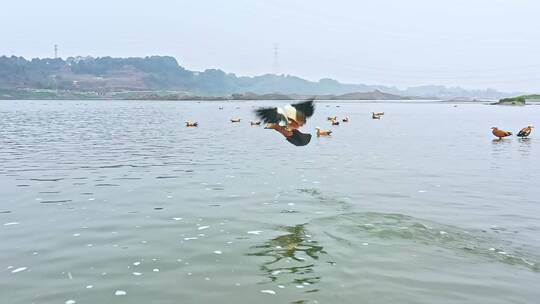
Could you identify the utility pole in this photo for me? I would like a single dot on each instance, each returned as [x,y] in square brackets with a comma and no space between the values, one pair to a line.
[275,65]
[55,51]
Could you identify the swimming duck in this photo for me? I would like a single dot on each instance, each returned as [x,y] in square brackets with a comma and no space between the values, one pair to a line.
[288,120]
[346,119]
[323,133]
[500,133]
[235,119]
[375,116]
[379,113]
[255,123]
[525,132]
[220,107]
[192,124]
[334,122]
[331,118]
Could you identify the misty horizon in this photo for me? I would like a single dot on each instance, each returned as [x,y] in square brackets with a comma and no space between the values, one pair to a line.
[473,45]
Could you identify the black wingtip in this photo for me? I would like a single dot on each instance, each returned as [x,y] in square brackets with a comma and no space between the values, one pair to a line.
[299,139]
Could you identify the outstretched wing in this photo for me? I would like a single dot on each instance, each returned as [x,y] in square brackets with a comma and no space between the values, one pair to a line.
[306,107]
[269,115]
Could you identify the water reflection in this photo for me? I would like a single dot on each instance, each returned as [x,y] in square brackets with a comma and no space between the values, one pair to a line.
[293,257]
[524,146]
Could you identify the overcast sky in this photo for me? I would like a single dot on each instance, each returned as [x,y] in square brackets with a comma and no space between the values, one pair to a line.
[470,43]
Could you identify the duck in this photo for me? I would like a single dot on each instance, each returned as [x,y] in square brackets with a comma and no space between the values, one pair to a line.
[379,113]
[235,119]
[525,132]
[346,119]
[500,133]
[323,133]
[334,122]
[331,118]
[288,120]
[255,123]
[220,107]
[192,124]
[375,116]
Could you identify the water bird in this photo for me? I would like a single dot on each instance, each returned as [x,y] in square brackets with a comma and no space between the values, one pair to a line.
[500,133]
[235,119]
[288,120]
[334,122]
[220,107]
[331,118]
[375,116]
[525,132]
[323,133]
[255,123]
[379,113]
[192,124]
[346,119]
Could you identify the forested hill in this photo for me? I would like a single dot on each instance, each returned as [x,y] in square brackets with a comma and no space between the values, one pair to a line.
[155,73]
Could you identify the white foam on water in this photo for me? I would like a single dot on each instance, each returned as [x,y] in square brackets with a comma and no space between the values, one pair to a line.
[254,232]
[281,286]
[136,263]
[19,269]
[218,252]
[71,301]
[299,286]
[76,234]
[268,291]
[89,286]
[137,273]
[11,223]
[120,293]
[203,227]
[365,244]
[155,270]
[190,238]
[276,272]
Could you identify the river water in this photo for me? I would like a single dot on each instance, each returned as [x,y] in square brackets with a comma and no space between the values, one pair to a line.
[119,202]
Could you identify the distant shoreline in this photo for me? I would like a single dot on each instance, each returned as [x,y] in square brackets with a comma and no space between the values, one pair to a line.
[36,94]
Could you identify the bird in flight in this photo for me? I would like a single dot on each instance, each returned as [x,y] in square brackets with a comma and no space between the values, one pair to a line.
[288,120]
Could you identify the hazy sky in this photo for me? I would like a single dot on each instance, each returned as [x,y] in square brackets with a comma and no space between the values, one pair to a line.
[470,43]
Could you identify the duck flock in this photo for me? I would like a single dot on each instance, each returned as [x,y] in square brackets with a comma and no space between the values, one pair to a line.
[289,119]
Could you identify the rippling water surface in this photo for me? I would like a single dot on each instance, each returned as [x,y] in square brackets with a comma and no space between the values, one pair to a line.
[118,202]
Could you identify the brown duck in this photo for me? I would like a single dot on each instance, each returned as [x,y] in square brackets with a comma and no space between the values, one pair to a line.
[192,124]
[525,132]
[323,133]
[500,133]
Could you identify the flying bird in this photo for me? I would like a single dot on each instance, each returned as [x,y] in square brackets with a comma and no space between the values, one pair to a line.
[500,133]
[525,132]
[288,120]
